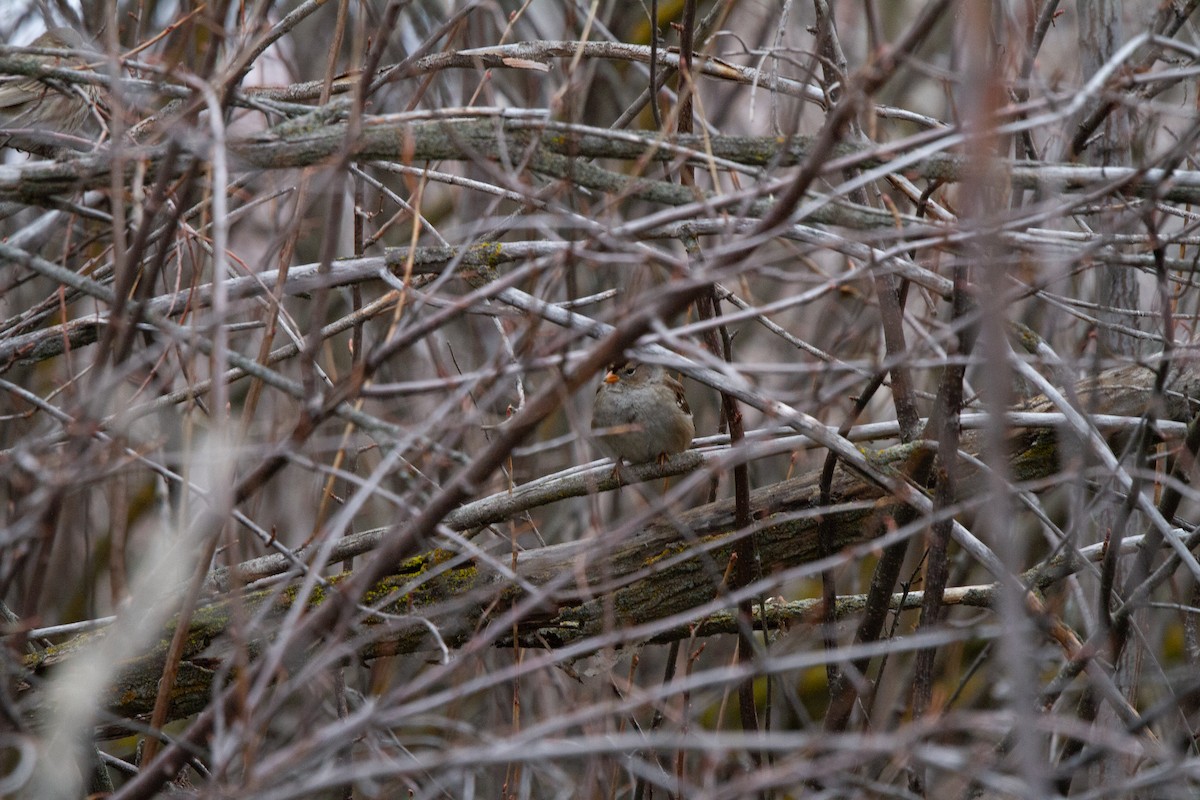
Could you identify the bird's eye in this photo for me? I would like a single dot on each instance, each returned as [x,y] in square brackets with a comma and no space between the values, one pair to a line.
[629,370]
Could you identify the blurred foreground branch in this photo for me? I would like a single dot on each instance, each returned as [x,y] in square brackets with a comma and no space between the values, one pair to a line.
[669,567]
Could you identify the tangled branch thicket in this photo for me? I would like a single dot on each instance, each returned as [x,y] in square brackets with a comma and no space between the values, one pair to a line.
[300,327]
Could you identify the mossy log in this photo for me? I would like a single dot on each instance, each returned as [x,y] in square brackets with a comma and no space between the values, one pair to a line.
[667,567]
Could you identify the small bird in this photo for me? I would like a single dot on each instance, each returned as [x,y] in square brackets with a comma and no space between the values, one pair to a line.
[45,104]
[641,414]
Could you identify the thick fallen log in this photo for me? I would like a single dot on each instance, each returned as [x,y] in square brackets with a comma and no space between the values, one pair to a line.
[562,594]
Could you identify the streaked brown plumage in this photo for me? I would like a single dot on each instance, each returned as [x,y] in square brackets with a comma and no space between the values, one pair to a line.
[46,104]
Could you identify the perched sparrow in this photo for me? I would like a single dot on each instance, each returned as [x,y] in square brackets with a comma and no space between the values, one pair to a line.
[641,413]
[45,104]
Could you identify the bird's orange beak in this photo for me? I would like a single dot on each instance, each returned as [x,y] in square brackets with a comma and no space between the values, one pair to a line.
[611,377]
